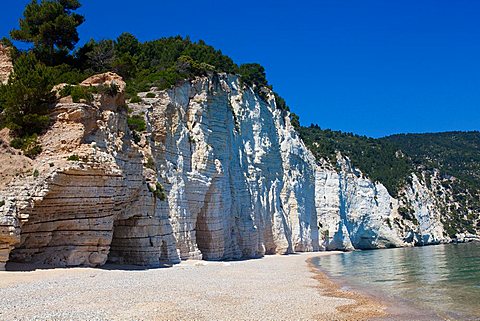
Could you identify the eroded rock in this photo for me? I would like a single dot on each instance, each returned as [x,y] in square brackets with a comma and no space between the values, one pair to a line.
[218,174]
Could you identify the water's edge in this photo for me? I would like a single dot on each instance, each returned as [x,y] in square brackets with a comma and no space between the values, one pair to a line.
[440,282]
[396,307]
[364,306]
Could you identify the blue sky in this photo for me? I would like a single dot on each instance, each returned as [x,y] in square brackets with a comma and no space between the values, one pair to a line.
[370,67]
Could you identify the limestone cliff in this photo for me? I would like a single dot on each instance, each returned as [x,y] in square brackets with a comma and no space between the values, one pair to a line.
[356,213]
[218,173]
[237,179]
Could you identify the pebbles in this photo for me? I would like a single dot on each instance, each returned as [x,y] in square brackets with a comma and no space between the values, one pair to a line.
[271,288]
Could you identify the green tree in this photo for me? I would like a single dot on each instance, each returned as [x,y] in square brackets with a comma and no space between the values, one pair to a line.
[26,98]
[51,26]
[96,56]
[126,49]
[253,74]
[126,43]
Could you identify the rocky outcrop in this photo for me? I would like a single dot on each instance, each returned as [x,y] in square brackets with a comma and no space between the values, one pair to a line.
[6,66]
[356,213]
[237,182]
[218,173]
[87,187]
[113,87]
[238,178]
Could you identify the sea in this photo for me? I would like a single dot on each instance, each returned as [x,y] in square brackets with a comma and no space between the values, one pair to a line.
[438,282]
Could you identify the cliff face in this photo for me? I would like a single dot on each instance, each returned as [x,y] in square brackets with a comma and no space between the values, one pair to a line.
[356,213]
[238,182]
[218,174]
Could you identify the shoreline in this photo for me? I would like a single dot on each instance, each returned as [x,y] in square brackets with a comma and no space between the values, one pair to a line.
[364,307]
[273,287]
[385,308]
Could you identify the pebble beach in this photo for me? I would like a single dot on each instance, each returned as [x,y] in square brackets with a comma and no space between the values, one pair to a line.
[271,288]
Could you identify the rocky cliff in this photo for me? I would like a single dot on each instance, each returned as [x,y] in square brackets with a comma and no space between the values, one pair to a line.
[356,213]
[217,173]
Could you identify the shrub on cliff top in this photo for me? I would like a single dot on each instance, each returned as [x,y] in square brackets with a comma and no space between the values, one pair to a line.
[27,97]
[253,74]
[28,144]
[110,90]
[135,99]
[73,158]
[78,93]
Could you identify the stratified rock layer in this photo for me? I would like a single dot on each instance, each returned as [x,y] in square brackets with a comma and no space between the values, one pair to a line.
[219,173]
[237,179]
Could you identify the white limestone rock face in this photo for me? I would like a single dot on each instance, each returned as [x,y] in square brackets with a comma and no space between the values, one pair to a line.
[241,182]
[425,203]
[218,174]
[354,212]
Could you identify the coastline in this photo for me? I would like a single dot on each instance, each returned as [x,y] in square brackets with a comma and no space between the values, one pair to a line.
[370,302]
[273,287]
[364,307]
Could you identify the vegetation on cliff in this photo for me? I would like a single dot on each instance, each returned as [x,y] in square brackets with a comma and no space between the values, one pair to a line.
[50,26]
[391,160]
[457,156]
[379,160]
[454,153]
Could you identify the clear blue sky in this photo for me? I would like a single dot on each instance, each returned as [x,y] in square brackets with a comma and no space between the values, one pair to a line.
[373,67]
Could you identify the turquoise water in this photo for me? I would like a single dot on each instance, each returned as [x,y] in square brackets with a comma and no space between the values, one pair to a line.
[443,279]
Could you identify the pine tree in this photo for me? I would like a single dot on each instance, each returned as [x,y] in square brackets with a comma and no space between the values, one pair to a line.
[51,26]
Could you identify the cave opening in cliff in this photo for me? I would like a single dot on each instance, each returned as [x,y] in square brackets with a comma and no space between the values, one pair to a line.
[163,252]
[204,237]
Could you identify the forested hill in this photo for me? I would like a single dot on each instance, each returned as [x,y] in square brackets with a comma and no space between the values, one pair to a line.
[376,158]
[391,160]
[454,153]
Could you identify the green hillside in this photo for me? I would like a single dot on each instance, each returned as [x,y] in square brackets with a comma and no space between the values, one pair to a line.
[454,153]
[390,160]
[378,159]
